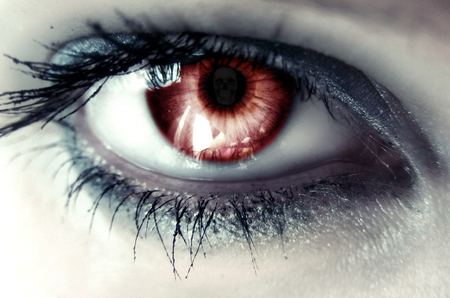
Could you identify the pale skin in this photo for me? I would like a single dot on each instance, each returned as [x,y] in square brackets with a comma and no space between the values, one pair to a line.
[49,251]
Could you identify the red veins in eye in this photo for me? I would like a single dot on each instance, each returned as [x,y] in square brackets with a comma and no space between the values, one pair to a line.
[222,110]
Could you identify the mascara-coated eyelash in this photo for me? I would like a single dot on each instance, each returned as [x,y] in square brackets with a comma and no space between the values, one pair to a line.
[83,62]
[295,209]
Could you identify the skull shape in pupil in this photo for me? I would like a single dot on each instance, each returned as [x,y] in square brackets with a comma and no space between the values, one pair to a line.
[225,85]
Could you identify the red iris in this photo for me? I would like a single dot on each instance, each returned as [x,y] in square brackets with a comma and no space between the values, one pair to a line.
[222,110]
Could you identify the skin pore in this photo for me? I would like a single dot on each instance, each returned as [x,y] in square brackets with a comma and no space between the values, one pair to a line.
[49,250]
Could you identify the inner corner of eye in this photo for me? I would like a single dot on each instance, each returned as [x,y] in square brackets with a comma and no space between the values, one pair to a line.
[227,120]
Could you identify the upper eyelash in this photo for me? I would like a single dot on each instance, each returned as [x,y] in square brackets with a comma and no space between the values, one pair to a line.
[370,103]
[70,81]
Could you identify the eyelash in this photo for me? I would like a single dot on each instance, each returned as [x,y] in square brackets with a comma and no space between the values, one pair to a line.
[266,213]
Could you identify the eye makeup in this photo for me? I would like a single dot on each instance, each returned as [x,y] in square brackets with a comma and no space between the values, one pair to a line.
[257,211]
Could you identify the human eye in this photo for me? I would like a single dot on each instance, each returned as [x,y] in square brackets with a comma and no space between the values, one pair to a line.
[313,127]
[364,126]
[336,206]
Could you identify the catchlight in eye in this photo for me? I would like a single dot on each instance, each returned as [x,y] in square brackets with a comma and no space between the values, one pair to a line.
[222,110]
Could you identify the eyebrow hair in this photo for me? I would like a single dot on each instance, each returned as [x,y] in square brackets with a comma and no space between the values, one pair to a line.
[408,14]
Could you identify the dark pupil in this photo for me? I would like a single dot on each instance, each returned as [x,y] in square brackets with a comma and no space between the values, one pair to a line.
[227,86]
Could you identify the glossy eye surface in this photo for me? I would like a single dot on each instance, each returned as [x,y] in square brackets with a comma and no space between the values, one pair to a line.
[118,115]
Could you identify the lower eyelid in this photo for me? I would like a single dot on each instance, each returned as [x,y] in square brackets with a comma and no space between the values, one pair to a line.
[143,180]
[340,204]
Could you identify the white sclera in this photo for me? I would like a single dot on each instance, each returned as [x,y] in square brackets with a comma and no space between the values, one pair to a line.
[121,120]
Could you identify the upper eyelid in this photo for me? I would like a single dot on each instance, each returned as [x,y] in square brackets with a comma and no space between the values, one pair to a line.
[424,146]
[387,111]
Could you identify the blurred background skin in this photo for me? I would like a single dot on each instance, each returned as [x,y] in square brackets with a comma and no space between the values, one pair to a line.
[47,249]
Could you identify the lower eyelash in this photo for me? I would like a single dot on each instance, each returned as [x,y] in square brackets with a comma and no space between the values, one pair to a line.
[195,223]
